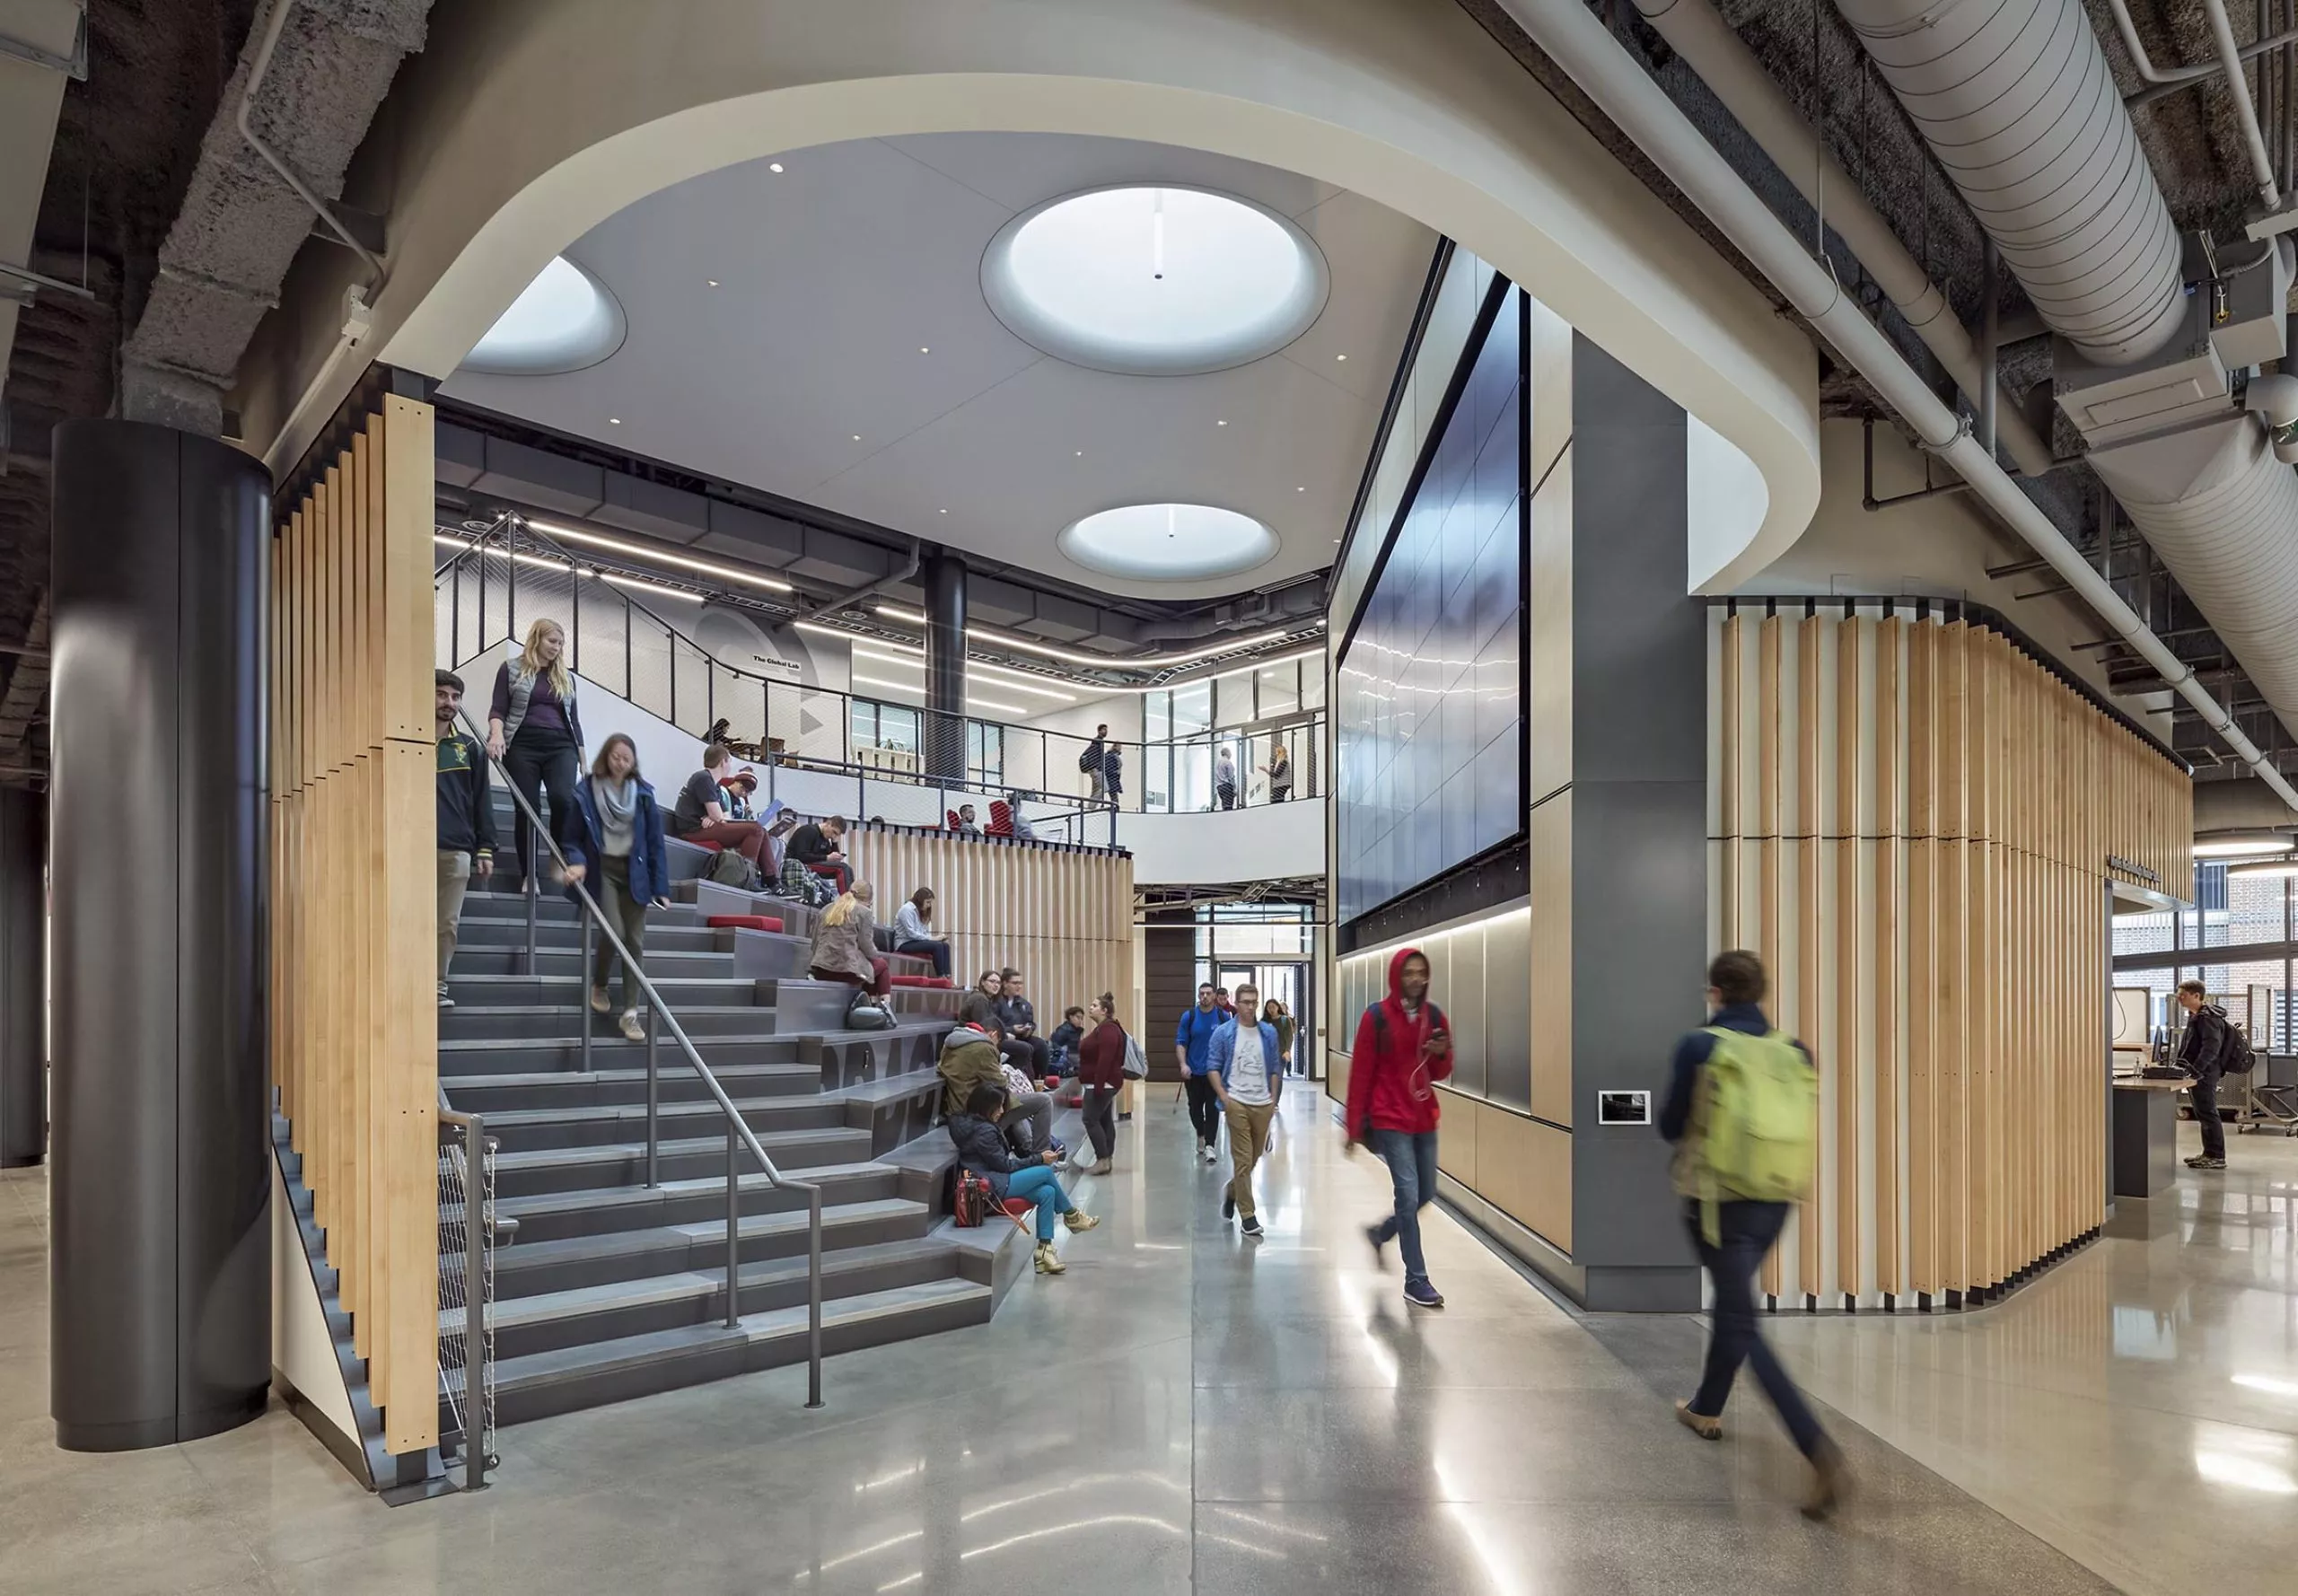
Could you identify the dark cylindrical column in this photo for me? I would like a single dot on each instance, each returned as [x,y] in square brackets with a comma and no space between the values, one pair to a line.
[160,1248]
[945,666]
[23,1002]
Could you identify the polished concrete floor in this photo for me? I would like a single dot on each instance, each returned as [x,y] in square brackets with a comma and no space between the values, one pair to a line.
[1185,1410]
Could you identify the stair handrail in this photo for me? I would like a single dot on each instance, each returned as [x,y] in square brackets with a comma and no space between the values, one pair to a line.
[738,1130]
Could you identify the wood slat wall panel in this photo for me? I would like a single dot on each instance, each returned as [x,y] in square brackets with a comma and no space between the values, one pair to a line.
[353,1050]
[1961,987]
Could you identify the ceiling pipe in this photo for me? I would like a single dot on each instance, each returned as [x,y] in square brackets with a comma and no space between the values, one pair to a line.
[1696,32]
[2230,61]
[1578,41]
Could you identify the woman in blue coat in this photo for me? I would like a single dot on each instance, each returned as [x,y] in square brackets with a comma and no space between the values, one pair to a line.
[622,832]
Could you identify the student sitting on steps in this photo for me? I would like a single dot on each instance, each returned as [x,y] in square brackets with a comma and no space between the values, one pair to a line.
[981,1149]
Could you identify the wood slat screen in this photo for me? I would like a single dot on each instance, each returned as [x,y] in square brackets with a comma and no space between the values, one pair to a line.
[355,1050]
[1062,917]
[1916,822]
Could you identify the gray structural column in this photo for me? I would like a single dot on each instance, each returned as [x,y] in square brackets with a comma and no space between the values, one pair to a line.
[945,666]
[159,1246]
[23,1004]
[1639,850]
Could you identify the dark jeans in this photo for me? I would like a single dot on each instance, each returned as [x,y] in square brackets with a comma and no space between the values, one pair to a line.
[1028,1123]
[1745,1232]
[1031,1055]
[541,758]
[2204,1095]
[1101,1119]
[1228,794]
[932,948]
[879,984]
[1204,1109]
[1411,1158]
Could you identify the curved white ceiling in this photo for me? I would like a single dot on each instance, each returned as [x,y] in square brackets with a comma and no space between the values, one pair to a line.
[1168,542]
[1155,281]
[847,357]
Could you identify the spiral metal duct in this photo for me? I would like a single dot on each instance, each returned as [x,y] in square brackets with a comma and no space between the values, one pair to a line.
[2015,100]
[2223,513]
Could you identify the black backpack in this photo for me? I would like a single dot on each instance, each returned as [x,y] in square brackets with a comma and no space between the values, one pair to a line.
[1087,760]
[2236,1057]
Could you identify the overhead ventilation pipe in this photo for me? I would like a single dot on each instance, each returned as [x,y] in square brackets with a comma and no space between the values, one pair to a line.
[2015,100]
[1706,41]
[1576,40]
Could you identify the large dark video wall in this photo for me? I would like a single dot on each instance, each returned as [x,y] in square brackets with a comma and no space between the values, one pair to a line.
[1429,712]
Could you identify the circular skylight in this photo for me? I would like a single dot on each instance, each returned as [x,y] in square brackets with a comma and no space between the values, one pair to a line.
[1168,542]
[1155,281]
[564,321]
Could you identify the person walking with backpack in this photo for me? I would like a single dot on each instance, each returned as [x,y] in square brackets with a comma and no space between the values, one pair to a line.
[1093,764]
[1741,1109]
[1193,1051]
[2206,1053]
[622,835]
[1403,1047]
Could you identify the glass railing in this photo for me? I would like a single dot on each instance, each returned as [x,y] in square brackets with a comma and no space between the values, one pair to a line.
[911,766]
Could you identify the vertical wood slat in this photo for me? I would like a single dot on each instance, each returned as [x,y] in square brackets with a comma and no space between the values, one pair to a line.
[1729,743]
[1843,1066]
[1890,1269]
[1811,1214]
[1770,710]
[1922,982]
[1952,999]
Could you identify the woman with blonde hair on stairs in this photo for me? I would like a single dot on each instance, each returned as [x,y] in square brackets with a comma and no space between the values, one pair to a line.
[846,944]
[532,727]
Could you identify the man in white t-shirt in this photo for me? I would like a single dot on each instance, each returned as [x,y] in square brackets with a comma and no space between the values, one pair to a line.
[1248,1074]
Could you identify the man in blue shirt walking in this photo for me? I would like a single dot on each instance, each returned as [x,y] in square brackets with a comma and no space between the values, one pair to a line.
[1193,1048]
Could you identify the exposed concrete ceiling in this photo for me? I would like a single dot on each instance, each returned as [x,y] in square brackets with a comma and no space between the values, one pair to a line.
[836,272]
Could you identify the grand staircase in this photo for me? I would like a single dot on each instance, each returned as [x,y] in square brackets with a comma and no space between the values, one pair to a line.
[615,1289]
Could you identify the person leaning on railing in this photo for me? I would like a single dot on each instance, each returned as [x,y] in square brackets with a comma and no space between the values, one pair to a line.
[533,728]
[622,832]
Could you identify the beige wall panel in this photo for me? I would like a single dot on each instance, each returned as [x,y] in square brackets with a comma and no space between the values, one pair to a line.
[1811,1213]
[1729,743]
[1544,1155]
[1888,987]
[1843,1068]
[1549,731]
[1551,959]
[1456,1149]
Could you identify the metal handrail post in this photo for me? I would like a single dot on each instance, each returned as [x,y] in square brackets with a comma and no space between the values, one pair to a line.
[534,868]
[582,995]
[734,1229]
[475,1245]
[813,1296]
[653,1080]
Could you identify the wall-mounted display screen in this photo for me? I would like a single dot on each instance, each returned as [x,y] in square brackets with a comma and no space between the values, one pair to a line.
[1429,722]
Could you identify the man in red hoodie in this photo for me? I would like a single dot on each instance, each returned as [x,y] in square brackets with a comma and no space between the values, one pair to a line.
[1403,1046]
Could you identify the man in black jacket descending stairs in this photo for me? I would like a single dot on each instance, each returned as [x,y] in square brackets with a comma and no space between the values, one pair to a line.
[466,820]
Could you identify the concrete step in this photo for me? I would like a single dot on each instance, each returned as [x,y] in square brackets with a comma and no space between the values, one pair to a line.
[526,1269]
[528,1022]
[525,1172]
[462,1056]
[593,1125]
[681,992]
[555,1320]
[543,1384]
[663,963]
[555,1215]
[490,1094]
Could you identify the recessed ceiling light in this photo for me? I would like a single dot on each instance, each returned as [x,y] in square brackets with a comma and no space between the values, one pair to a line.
[945,512]
[925,349]
[1220,424]
[1081,454]
[1155,281]
[712,280]
[1340,357]
[614,421]
[1302,489]
[1168,542]
[562,322]
[857,437]
[774,166]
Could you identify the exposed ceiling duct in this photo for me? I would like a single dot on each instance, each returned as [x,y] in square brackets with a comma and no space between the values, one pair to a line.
[324,67]
[2019,105]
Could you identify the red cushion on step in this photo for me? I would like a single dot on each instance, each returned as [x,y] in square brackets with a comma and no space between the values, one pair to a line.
[744,922]
[943,983]
[1019,1208]
[708,847]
